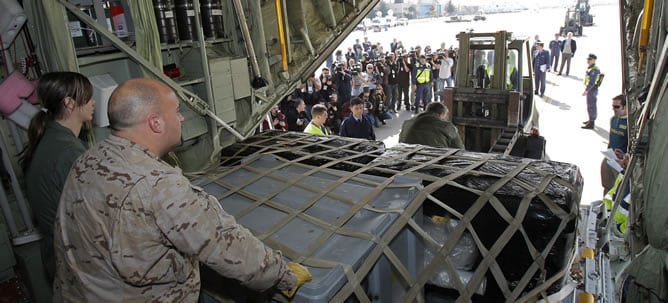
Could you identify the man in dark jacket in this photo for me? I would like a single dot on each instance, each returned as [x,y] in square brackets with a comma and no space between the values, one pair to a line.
[296,117]
[568,47]
[342,80]
[430,128]
[541,64]
[357,125]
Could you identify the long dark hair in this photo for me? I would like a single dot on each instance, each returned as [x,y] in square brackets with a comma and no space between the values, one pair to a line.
[52,90]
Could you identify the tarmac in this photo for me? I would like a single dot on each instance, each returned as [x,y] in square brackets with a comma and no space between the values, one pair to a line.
[563,107]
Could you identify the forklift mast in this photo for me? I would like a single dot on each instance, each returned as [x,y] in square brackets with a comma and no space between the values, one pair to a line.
[492,101]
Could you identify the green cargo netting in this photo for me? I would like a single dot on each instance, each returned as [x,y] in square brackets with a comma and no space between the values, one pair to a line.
[405,224]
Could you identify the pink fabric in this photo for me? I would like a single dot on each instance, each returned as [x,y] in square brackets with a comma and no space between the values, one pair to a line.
[12,90]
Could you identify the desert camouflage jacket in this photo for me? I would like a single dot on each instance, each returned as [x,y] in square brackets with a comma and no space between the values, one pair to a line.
[131,228]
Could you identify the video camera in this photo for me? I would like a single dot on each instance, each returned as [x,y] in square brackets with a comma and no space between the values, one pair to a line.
[356,69]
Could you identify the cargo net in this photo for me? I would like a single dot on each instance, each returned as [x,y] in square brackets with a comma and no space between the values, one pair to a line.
[406,224]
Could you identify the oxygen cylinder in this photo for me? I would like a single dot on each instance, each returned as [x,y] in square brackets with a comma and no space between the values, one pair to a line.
[212,19]
[165,17]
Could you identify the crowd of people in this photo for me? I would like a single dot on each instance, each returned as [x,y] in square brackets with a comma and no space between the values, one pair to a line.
[382,80]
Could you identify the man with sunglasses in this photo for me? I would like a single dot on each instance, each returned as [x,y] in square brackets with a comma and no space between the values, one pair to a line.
[618,141]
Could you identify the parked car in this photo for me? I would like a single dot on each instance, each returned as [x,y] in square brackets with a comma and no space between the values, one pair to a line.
[377,26]
[402,21]
[479,18]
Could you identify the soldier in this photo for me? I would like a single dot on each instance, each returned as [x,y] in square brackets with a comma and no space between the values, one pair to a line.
[431,128]
[53,146]
[132,228]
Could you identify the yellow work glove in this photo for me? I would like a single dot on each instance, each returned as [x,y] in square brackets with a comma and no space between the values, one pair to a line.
[303,276]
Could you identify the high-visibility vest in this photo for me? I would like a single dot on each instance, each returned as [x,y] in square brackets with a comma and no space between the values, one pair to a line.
[311,128]
[621,215]
[423,73]
[587,80]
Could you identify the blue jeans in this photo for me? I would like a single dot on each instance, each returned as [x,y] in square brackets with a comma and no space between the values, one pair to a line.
[448,82]
[392,94]
[439,88]
[373,119]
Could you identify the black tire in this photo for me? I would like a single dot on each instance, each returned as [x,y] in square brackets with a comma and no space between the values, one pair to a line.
[532,147]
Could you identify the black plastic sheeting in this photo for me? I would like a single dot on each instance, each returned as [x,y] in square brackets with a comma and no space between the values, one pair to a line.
[314,150]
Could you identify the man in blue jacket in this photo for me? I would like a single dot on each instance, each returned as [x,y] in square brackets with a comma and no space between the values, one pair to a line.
[555,50]
[541,64]
[357,125]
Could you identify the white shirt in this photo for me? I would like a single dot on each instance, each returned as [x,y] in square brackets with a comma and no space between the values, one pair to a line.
[445,71]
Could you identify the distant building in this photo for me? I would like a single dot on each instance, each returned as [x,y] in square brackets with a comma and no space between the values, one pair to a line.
[426,10]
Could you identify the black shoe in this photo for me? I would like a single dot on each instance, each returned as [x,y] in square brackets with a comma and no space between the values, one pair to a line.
[588,126]
[585,122]
[559,74]
[383,122]
[541,95]
[535,93]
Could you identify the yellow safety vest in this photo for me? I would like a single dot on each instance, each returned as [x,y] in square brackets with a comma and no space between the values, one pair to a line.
[422,75]
[311,128]
[621,215]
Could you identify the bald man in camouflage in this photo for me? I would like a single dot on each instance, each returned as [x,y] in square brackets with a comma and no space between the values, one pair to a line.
[131,228]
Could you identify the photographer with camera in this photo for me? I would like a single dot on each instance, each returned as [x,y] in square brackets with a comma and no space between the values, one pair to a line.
[381,72]
[380,106]
[404,82]
[327,84]
[392,70]
[435,67]
[333,114]
[369,108]
[358,81]
[445,72]
[342,81]
[277,120]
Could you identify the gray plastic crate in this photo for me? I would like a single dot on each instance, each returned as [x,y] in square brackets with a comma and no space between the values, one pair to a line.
[268,179]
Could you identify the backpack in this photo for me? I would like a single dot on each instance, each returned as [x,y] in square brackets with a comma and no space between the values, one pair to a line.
[599,81]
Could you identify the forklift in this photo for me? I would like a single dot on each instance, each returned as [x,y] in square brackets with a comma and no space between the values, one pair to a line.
[492,102]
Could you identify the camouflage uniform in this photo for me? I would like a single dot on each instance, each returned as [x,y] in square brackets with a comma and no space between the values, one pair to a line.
[131,228]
